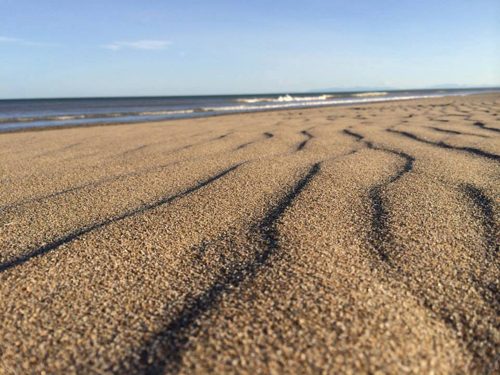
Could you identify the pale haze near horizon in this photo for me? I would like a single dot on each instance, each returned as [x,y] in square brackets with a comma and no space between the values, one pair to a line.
[130,48]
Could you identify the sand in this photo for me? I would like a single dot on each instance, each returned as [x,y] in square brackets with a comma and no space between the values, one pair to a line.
[358,239]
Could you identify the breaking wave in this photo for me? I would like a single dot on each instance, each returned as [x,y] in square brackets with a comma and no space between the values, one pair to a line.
[286,99]
[370,94]
[316,103]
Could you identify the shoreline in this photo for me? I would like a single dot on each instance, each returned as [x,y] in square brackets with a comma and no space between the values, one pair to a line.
[106,124]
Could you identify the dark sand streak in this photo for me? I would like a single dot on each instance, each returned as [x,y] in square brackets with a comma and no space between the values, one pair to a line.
[454,132]
[485,205]
[163,352]
[303,143]
[266,135]
[380,228]
[380,233]
[469,150]
[42,250]
[482,125]
[99,182]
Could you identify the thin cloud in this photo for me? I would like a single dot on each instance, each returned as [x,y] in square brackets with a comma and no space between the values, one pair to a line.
[22,42]
[6,39]
[139,44]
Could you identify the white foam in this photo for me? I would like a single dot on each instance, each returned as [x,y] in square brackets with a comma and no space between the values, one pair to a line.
[67,117]
[163,113]
[243,108]
[286,98]
[370,94]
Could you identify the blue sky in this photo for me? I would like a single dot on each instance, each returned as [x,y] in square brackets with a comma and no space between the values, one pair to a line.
[62,48]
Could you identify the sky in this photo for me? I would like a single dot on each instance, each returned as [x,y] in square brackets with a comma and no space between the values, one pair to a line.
[60,48]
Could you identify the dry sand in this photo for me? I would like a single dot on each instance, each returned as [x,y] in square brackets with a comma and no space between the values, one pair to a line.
[332,240]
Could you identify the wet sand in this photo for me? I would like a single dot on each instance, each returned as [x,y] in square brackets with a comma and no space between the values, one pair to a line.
[357,239]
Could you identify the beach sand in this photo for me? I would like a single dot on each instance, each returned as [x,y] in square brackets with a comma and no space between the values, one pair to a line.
[358,239]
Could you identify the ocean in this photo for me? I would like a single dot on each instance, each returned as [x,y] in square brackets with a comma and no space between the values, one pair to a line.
[18,114]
